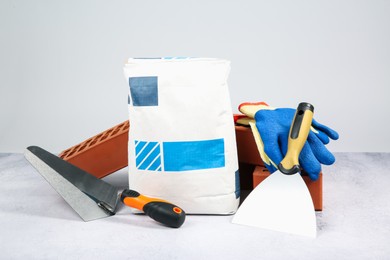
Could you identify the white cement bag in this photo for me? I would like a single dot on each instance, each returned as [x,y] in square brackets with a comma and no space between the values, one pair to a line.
[182,144]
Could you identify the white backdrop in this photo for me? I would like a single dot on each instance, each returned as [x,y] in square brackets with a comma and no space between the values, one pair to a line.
[61,78]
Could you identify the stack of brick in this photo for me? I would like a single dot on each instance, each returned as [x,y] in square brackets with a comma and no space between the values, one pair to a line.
[253,171]
[106,153]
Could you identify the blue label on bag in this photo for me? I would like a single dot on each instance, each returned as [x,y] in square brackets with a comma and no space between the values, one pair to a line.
[180,156]
[194,155]
[144,91]
[238,190]
[148,156]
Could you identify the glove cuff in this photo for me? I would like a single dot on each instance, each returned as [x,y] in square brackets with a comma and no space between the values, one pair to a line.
[250,108]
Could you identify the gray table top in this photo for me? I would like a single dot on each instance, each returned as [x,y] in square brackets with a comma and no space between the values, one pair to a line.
[36,223]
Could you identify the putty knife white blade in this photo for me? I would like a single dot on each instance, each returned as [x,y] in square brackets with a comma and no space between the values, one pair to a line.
[282,212]
[282,202]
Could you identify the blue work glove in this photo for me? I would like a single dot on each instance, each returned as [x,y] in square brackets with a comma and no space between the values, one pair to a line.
[271,128]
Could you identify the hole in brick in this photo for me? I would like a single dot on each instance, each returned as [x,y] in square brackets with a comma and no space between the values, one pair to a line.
[108,132]
[115,131]
[75,148]
[88,141]
[104,137]
[70,154]
[94,140]
[82,148]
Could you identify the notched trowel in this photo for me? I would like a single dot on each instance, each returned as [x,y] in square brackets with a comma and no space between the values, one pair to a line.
[93,198]
[282,202]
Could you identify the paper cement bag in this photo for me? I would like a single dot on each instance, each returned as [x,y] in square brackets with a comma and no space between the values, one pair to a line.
[182,144]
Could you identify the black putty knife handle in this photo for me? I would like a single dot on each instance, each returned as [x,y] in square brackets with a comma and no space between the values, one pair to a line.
[160,210]
[299,132]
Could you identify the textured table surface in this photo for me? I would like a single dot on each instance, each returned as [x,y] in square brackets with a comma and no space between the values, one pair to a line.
[36,223]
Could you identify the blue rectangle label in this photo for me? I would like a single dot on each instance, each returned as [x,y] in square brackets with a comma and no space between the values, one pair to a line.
[238,190]
[144,91]
[194,155]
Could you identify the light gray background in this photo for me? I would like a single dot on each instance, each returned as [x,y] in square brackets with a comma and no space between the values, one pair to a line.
[61,62]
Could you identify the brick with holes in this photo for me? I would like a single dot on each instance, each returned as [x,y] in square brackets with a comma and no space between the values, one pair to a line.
[106,153]
[102,154]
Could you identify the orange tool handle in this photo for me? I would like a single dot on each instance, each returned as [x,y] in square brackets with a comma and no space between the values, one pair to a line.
[160,210]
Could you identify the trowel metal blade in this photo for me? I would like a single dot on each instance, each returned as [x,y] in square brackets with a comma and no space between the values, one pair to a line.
[83,204]
[281,203]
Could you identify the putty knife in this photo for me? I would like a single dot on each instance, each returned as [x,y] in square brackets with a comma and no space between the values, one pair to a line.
[282,202]
[93,198]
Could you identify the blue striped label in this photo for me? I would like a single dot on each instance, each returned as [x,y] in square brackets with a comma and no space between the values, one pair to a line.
[180,156]
[148,156]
